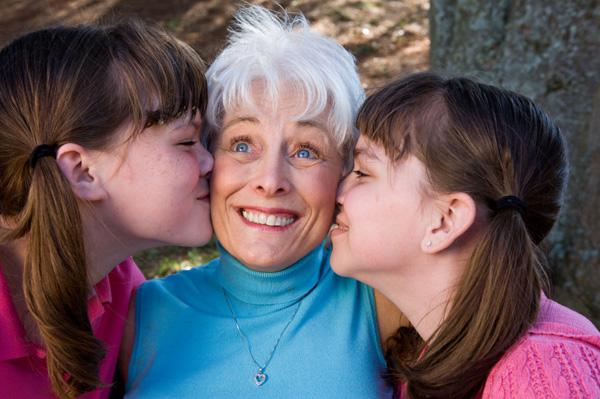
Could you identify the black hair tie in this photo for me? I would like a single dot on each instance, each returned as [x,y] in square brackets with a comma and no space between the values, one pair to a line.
[510,202]
[42,150]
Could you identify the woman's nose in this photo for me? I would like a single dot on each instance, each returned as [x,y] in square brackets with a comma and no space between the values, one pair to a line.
[271,176]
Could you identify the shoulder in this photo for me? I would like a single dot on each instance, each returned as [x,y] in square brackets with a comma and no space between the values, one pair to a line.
[556,318]
[189,288]
[553,357]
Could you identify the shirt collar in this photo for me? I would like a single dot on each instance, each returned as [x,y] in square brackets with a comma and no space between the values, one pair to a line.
[269,288]
[13,344]
[12,334]
[101,296]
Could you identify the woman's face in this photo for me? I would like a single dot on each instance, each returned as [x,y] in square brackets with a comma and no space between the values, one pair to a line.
[274,183]
[157,187]
[383,215]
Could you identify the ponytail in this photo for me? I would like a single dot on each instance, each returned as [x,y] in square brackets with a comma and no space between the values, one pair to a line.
[502,150]
[65,85]
[495,303]
[55,281]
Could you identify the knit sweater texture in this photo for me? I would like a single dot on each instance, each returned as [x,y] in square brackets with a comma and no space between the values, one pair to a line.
[558,357]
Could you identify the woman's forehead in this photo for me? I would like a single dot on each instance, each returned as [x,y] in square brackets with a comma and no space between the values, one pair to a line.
[286,103]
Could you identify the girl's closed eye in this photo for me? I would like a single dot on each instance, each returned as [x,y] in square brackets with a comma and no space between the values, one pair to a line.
[359,173]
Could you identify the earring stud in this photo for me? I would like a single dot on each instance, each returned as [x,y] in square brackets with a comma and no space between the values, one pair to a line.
[428,244]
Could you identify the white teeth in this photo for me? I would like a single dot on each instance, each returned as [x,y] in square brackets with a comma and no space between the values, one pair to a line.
[269,220]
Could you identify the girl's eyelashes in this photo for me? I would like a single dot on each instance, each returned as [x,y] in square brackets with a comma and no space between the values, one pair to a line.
[359,173]
[188,143]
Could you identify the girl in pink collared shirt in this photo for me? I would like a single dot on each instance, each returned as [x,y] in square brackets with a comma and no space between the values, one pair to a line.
[455,185]
[99,158]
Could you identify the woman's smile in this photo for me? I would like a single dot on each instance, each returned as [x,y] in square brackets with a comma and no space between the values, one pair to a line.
[277,219]
[274,183]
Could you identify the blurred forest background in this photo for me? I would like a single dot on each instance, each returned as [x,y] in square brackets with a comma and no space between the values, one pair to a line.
[546,49]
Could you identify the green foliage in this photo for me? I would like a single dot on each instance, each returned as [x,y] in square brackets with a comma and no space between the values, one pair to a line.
[173,24]
[160,262]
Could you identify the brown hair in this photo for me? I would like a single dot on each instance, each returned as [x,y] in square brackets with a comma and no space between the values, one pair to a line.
[488,143]
[77,85]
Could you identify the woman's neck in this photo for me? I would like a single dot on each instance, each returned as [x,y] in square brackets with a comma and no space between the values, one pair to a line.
[104,248]
[103,253]
[422,291]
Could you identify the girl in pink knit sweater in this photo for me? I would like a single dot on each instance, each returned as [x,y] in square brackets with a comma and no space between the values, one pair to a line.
[455,186]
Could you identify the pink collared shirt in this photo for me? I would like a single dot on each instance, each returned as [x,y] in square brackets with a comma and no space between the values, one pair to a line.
[22,364]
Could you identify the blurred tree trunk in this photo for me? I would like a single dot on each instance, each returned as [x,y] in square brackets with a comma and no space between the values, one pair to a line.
[548,50]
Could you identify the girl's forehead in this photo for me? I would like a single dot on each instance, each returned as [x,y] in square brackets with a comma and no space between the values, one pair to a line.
[368,150]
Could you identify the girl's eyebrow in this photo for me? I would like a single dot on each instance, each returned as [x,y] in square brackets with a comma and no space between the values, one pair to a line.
[365,152]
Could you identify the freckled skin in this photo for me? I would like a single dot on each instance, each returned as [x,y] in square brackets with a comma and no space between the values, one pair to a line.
[154,184]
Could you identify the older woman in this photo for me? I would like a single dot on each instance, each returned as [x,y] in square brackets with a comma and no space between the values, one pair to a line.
[268,319]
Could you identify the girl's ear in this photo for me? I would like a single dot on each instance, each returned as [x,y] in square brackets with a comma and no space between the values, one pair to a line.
[76,164]
[453,215]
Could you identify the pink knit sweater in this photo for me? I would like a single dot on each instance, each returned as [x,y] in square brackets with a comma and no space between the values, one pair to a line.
[558,357]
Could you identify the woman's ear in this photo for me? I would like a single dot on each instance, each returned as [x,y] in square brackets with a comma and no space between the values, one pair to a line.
[453,215]
[76,164]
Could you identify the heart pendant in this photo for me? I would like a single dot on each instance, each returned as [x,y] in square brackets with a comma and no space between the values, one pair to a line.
[260,378]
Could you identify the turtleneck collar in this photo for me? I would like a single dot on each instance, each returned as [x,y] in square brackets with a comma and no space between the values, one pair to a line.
[271,288]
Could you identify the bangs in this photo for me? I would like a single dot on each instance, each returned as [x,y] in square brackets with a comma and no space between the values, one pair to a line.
[157,77]
[402,118]
[277,79]
[273,88]
[387,123]
[281,53]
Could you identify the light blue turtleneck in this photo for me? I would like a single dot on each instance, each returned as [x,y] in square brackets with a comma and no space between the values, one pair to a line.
[187,344]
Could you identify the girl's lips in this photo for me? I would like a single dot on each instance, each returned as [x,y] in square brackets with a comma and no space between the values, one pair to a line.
[203,197]
[338,227]
[340,222]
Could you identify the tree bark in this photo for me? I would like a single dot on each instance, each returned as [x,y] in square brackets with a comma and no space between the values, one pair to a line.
[548,50]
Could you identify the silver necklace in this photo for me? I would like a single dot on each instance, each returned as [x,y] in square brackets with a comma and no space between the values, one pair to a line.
[261,376]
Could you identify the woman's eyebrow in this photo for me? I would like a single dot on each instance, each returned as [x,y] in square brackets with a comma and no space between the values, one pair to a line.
[240,119]
[312,123]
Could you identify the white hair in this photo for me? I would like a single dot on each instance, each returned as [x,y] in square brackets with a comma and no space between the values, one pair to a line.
[281,49]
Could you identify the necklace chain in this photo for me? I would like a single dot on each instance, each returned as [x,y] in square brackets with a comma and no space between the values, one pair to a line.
[260,377]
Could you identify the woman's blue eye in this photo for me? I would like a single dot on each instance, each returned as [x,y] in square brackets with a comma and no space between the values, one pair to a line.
[241,147]
[304,153]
